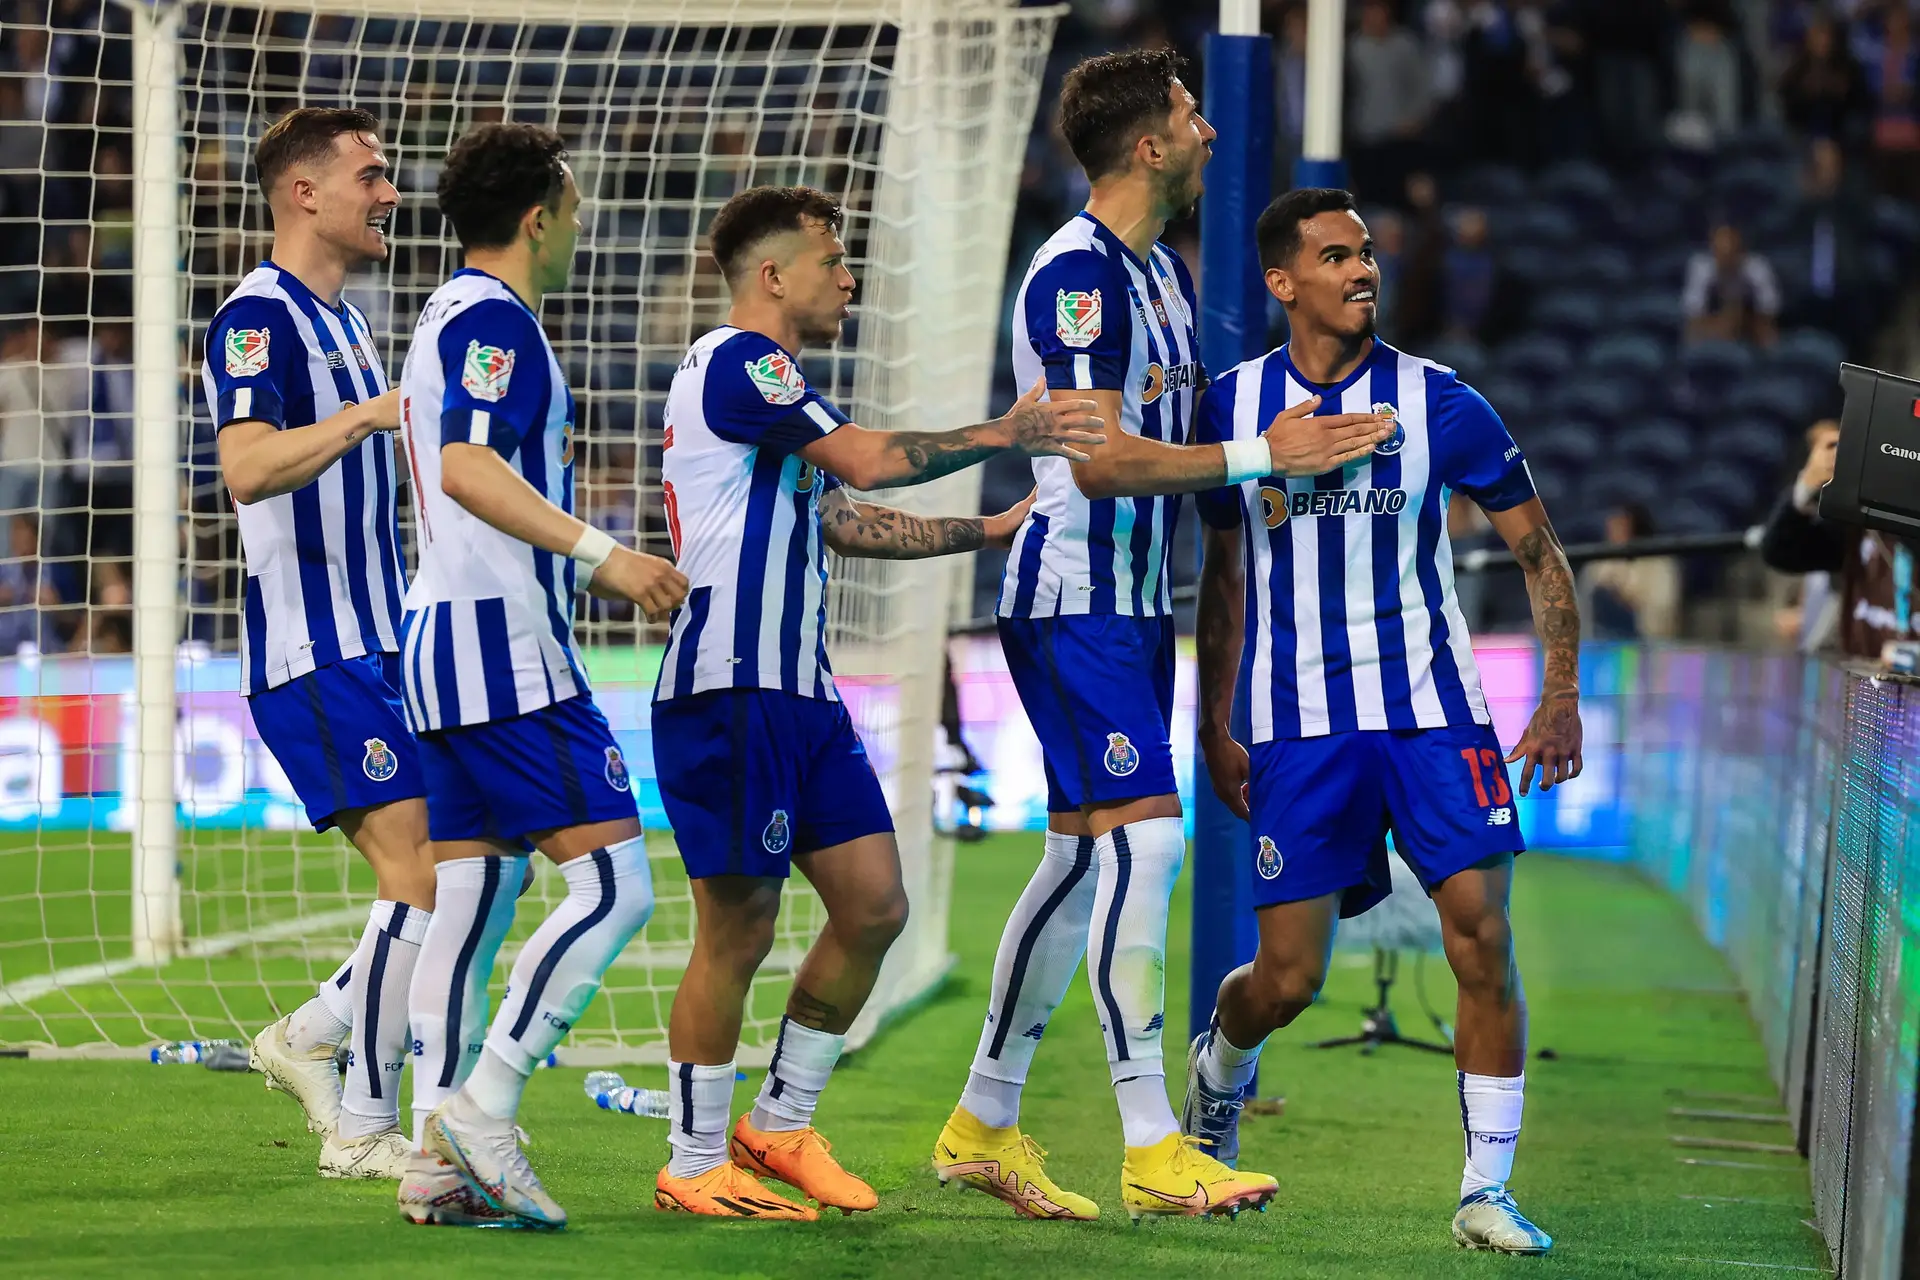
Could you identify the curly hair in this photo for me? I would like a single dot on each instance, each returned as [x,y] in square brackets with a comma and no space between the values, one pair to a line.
[493,175]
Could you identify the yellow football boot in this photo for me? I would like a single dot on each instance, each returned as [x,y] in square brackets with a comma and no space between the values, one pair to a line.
[803,1160]
[726,1191]
[1175,1176]
[1007,1165]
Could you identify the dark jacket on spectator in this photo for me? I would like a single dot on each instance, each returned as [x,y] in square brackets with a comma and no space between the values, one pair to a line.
[1862,562]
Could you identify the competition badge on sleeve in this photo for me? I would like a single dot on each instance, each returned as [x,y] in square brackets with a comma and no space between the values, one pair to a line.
[1076,317]
[246,352]
[776,378]
[487,372]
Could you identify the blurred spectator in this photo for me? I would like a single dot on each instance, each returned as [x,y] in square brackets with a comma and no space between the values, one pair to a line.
[1468,277]
[1893,71]
[1834,225]
[1389,234]
[1637,599]
[1823,92]
[1418,287]
[1387,102]
[99,483]
[1706,84]
[113,209]
[1873,599]
[26,446]
[1498,125]
[107,626]
[1289,91]
[1627,41]
[1730,294]
[22,593]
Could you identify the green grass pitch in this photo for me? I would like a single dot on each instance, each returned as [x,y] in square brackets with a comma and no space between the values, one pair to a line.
[123,1168]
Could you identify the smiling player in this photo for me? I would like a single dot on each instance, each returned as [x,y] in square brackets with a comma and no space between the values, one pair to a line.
[304,415]
[1367,710]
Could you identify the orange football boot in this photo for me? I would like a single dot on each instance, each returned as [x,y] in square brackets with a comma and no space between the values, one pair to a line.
[726,1191]
[803,1160]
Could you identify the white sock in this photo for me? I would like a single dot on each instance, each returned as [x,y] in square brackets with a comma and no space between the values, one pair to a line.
[802,1061]
[1490,1109]
[1039,950]
[382,971]
[325,1020]
[1127,961]
[1146,1117]
[472,912]
[609,897]
[702,1097]
[1224,1065]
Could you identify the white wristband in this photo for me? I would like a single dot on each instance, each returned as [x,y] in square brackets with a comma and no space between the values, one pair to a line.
[1247,460]
[594,547]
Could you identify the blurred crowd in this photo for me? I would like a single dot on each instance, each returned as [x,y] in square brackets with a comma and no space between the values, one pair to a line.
[1646,229]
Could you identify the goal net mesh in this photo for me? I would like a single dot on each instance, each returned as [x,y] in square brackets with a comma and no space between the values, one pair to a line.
[914,115]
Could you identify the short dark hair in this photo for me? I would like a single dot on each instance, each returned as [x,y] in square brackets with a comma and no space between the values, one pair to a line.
[758,212]
[1277,233]
[1107,102]
[303,136]
[493,175]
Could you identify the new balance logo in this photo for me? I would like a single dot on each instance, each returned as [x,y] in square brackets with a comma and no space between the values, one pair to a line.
[1155,1023]
[1034,1032]
[1499,817]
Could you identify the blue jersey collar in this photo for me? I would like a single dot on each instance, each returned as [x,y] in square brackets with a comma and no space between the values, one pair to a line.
[1329,393]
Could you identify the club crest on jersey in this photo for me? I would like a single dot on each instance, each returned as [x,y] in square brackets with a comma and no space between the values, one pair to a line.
[246,352]
[616,770]
[1268,861]
[379,764]
[1076,316]
[1395,442]
[776,377]
[778,834]
[1122,756]
[361,356]
[487,372]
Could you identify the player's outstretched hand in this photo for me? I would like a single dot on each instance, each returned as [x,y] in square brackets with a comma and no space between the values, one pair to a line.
[383,411]
[1305,445]
[1053,428]
[1229,767]
[650,582]
[1001,529]
[1551,743]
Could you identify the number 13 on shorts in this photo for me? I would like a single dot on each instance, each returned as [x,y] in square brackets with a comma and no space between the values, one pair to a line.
[1484,766]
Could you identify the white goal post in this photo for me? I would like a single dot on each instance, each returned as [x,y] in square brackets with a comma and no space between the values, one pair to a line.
[183,901]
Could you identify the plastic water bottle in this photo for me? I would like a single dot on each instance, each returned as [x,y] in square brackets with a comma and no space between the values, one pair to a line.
[611,1093]
[182,1052]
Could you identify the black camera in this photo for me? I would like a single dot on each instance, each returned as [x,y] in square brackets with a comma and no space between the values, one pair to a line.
[1876,470]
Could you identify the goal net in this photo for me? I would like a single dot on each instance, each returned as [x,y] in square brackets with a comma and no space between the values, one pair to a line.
[156,879]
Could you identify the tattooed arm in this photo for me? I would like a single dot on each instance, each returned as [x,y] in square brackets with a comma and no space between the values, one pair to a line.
[855,528]
[889,459]
[1553,737]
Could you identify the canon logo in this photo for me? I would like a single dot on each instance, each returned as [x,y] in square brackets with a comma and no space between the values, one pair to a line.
[1894,450]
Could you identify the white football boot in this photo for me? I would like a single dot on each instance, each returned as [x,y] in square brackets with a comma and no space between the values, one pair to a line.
[434,1193]
[378,1155]
[487,1151]
[1490,1220]
[312,1078]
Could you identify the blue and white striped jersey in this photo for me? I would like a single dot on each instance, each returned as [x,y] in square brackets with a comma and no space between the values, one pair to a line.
[1093,317]
[324,579]
[489,625]
[1351,617]
[744,511]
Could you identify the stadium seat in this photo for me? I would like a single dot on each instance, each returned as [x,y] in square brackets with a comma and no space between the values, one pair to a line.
[1651,222]
[1685,516]
[1627,355]
[1490,185]
[1618,485]
[1535,266]
[1654,313]
[1534,225]
[1726,489]
[1748,189]
[1754,445]
[1602,267]
[1712,367]
[1582,188]
[1814,353]
[1897,224]
[1510,397]
[1551,485]
[1574,315]
[1536,357]
[1463,355]
[1568,445]
[1666,266]
[1656,442]
[1779,397]
[1610,402]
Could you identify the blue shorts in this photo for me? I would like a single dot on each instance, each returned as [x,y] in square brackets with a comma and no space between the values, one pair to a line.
[340,734]
[752,778]
[505,779]
[1098,689]
[1322,808]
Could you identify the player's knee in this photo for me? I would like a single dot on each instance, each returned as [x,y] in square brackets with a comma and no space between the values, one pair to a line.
[1286,991]
[876,925]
